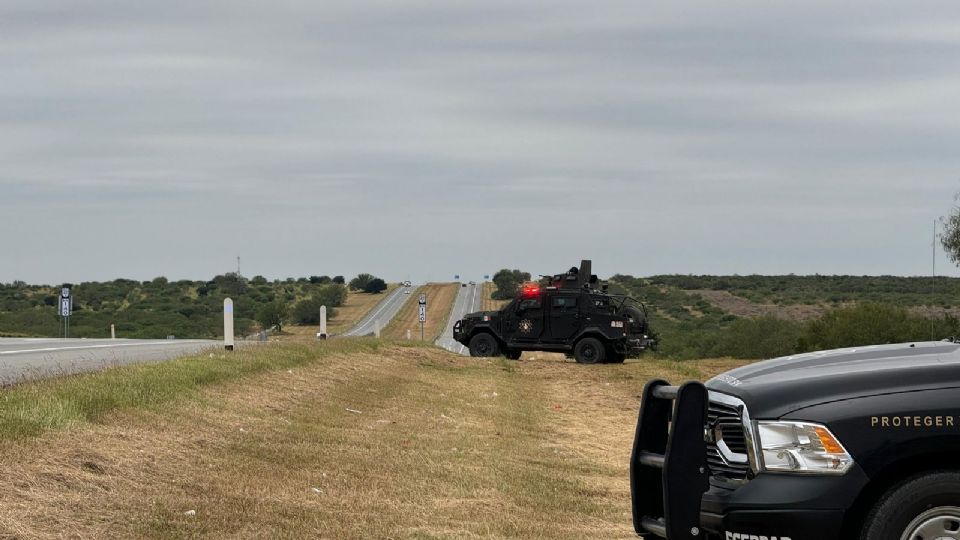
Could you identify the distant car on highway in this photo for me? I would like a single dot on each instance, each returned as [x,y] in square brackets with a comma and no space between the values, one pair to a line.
[407,284]
[406,291]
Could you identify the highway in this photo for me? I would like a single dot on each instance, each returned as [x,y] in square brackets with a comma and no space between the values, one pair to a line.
[35,358]
[383,312]
[468,300]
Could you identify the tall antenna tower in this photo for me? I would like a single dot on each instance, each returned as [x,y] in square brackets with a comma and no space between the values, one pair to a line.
[933,275]
[238,266]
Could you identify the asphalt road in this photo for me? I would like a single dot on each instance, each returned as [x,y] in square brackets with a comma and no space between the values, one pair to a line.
[468,300]
[35,358]
[383,312]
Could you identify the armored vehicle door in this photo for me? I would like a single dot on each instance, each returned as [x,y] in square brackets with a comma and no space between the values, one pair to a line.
[526,321]
[564,316]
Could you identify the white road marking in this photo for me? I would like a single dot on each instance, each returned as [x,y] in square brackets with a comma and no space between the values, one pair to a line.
[111,345]
[373,317]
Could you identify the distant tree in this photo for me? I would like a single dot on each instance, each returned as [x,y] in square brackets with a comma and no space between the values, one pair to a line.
[272,314]
[508,283]
[258,280]
[331,295]
[339,280]
[376,285]
[360,282]
[950,239]
[322,280]
[231,284]
[308,311]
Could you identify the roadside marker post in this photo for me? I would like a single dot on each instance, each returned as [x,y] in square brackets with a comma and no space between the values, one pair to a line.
[228,324]
[113,332]
[65,310]
[376,328]
[408,334]
[423,313]
[322,334]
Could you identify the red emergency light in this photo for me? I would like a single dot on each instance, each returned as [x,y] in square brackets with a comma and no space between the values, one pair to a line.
[530,291]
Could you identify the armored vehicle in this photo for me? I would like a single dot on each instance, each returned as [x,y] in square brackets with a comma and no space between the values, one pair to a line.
[569,313]
[837,445]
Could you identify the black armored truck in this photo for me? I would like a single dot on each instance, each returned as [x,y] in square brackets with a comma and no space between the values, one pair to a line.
[570,313]
[860,443]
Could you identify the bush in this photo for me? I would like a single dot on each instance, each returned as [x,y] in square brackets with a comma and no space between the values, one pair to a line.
[272,314]
[872,324]
[308,311]
[764,337]
[360,282]
[376,285]
[508,283]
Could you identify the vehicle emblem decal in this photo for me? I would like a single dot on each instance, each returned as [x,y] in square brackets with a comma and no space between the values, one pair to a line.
[526,326]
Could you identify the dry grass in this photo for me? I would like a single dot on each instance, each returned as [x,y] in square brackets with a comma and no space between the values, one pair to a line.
[440,297]
[405,442]
[489,304]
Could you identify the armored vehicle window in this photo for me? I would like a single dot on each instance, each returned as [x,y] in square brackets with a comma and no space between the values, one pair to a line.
[532,303]
[564,301]
[602,304]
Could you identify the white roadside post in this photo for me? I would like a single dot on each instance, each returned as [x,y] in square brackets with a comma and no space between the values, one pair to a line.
[408,334]
[376,328]
[228,324]
[113,332]
[322,334]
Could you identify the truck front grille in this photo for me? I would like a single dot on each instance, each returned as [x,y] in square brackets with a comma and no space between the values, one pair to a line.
[726,441]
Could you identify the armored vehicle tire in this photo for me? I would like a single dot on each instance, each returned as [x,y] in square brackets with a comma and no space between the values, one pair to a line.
[484,345]
[925,506]
[512,354]
[615,357]
[589,351]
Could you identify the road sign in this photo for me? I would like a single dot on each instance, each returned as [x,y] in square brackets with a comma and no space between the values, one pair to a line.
[456,277]
[422,313]
[486,277]
[65,308]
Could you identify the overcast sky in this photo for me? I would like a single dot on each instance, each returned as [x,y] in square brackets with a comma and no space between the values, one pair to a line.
[416,140]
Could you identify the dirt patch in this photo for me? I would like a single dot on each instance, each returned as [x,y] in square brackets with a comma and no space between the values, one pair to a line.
[741,307]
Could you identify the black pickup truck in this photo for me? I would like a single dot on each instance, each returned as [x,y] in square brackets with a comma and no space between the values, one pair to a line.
[860,443]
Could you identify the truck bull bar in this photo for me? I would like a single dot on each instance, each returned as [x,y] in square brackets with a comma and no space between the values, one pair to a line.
[668,465]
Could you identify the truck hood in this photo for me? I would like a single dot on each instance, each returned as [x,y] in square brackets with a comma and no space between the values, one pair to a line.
[481,314]
[773,388]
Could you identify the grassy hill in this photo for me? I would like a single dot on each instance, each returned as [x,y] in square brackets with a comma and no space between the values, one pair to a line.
[764,316]
[156,308]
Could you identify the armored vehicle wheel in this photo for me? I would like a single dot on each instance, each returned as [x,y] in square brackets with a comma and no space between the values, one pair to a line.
[923,507]
[615,357]
[588,351]
[484,345]
[512,354]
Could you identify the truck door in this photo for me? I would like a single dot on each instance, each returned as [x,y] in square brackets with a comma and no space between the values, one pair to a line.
[528,320]
[564,317]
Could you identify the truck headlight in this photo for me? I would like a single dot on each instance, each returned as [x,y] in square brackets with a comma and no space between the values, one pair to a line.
[801,447]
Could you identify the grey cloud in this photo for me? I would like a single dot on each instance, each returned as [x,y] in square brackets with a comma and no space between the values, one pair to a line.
[422,139]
